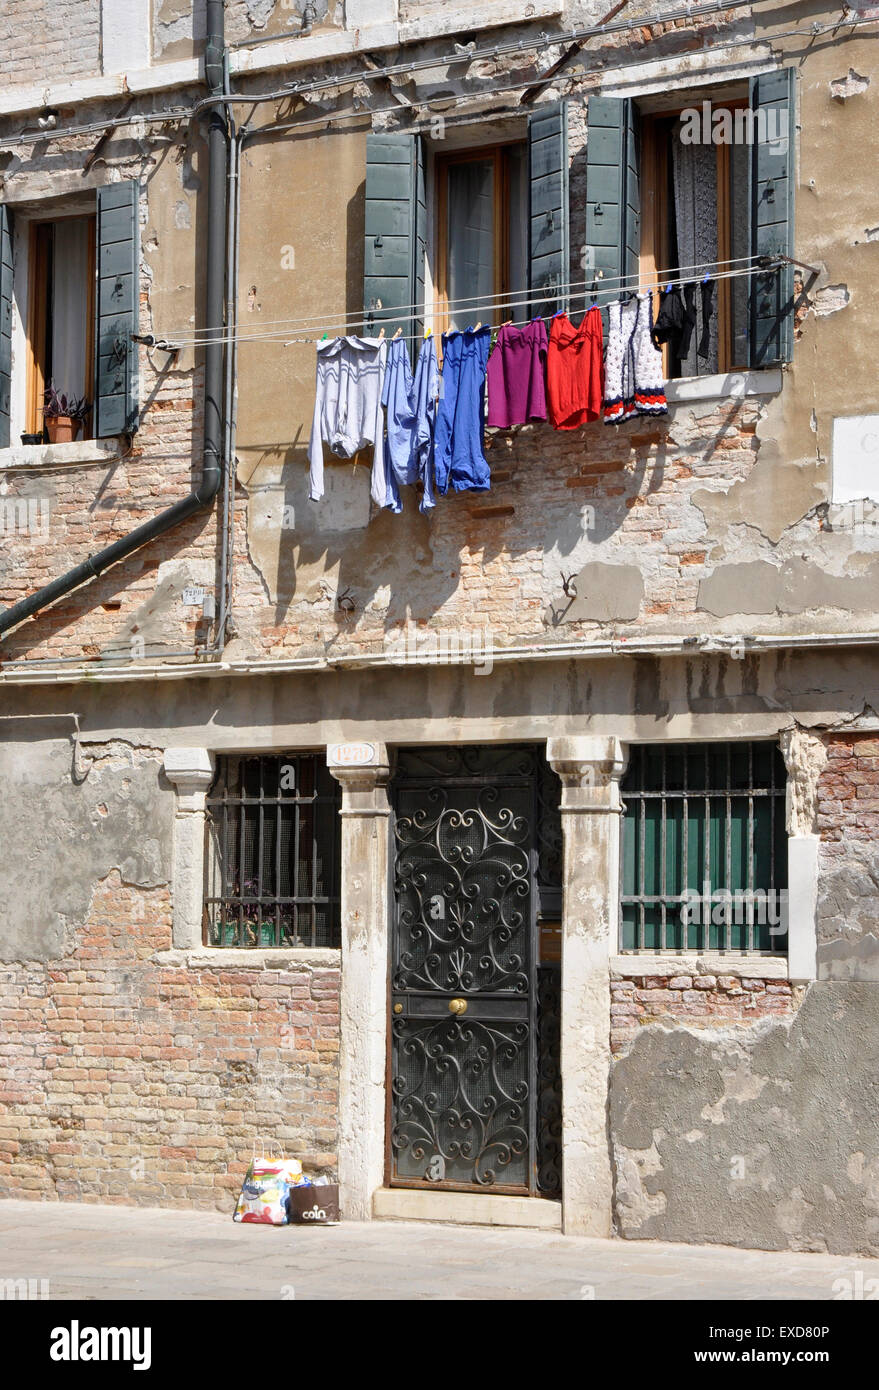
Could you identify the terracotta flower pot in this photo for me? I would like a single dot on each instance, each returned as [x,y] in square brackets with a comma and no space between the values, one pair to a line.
[63,429]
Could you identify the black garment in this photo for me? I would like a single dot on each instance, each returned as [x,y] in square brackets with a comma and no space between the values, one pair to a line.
[707,311]
[676,320]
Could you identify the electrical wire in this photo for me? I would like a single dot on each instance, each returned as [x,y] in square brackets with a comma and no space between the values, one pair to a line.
[849,20]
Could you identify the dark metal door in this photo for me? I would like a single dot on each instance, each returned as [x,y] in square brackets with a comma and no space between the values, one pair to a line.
[463,971]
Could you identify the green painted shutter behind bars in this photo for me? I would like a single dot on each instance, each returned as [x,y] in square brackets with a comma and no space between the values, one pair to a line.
[396,232]
[772,215]
[5,322]
[613,197]
[550,258]
[118,261]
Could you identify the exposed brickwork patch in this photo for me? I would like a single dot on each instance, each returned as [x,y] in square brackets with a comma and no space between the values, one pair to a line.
[124,1081]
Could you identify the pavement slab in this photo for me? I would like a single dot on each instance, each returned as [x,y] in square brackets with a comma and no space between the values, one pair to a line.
[92,1252]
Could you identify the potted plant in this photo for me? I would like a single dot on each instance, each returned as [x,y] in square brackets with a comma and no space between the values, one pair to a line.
[63,415]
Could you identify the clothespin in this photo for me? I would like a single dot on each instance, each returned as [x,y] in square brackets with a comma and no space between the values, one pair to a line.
[477,326]
[323,337]
[668,288]
[381,334]
[398,332]
[428,332]
[706,278]
[507,324]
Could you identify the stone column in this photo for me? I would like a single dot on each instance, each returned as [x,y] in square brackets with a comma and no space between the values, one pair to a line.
[805,755]
[192,771]
[364,994]
[590,770]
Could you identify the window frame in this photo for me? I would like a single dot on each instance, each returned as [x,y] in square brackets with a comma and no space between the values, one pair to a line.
[215,871]
[654,248]
[502,276]
[780,879]
[38,252]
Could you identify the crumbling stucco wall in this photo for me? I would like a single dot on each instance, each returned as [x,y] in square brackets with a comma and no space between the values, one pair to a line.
[767,1138]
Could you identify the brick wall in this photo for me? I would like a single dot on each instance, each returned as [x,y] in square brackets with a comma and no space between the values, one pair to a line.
[49,40]
[703,1000]
[848,794]
[123,1080]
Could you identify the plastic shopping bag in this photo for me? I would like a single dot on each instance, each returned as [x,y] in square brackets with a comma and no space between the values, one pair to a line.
[266,1188]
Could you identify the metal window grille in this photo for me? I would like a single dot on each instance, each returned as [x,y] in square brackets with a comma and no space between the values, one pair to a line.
[274,853]
[704,852]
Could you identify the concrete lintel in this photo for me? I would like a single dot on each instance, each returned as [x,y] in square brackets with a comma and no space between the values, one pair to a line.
[466,1208]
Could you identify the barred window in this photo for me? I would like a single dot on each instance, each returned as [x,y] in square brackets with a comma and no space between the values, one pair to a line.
[704,853]
[274,852]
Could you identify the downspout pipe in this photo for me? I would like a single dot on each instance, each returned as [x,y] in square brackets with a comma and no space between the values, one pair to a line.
[208,485]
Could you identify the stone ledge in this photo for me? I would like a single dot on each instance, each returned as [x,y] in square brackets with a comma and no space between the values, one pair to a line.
[466,1208]
[83,451]
[723,386]
[749,967]
[258,958]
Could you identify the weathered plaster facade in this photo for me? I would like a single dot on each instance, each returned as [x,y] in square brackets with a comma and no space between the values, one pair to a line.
[715,591]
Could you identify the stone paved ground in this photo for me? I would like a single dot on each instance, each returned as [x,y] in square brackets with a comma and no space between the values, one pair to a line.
[96,1252]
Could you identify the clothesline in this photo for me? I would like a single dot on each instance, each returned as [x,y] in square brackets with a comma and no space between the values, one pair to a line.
[608,283]
[551,294]
[615,293]
[427,426]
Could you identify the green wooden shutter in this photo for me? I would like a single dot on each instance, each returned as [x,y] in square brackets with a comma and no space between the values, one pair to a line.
[550,256]
[772,215]
[118,296]
[5,323]
[613,193]
[396,233]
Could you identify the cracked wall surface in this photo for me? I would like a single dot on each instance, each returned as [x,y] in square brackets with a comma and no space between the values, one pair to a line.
[767,1139]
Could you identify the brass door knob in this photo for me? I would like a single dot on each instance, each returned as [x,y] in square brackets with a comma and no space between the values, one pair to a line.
[398,1008]
[457,1006]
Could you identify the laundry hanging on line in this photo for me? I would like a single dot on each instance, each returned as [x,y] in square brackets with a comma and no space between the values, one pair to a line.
[410,404]
[348,408]
[516,375]
[459,459]
[677,319]
[633,367]
[575,371]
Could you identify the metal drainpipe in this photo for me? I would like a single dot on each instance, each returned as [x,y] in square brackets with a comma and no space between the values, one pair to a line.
[209,484]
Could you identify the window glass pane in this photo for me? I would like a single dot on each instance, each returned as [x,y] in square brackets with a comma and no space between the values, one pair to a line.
[471,196]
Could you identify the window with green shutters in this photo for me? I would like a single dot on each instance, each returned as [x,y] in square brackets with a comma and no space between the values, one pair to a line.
[750,182]
[704,849]
[83,280]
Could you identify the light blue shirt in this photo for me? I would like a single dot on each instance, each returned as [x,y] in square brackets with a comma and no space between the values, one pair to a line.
[410,403]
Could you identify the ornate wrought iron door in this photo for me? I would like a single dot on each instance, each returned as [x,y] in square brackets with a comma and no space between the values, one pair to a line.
[463,972]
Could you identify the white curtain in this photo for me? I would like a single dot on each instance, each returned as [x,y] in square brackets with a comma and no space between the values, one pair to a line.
[695,184]
[70,299]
